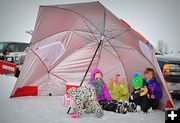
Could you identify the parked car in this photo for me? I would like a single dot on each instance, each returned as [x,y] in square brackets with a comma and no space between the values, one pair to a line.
[170,66]
[14,52]
[11,51]
[19,64]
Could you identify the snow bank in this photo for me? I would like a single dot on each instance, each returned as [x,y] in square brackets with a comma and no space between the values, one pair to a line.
[50,109]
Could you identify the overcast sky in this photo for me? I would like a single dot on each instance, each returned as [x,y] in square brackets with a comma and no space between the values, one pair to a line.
[154,19]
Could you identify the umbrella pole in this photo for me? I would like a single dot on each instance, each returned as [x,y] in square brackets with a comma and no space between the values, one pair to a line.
[91,62]
[89,66]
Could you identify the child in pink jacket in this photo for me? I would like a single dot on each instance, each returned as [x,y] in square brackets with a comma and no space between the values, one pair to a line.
[96,81]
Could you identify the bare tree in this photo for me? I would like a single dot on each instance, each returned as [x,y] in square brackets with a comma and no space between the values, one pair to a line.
[162,47]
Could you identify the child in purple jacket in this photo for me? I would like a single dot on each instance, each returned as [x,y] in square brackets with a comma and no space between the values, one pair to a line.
[154,88]
[102,93]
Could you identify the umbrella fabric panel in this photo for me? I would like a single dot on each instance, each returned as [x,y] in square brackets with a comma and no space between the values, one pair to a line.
[53,19]
[74,66]
[52,86]
[34,71]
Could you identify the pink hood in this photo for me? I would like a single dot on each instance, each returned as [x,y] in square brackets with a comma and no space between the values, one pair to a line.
[94,71]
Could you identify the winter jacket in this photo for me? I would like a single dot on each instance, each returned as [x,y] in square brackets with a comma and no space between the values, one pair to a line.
[142,91]
[154,88]
[118,91]
[104,95]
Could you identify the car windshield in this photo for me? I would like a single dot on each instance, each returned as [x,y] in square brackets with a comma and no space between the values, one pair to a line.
[2,46]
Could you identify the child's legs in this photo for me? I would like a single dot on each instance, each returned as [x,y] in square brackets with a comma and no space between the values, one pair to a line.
[102,103]
[108,105]
[154,104]
[137,100]
[111,106]
[144,104]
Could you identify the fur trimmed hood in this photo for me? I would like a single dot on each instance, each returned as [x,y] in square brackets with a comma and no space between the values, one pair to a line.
[94,71]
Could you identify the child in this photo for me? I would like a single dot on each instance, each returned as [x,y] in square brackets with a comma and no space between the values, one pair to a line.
[97,81]
[153,87]
[140,94]
[118,88]
[102,93]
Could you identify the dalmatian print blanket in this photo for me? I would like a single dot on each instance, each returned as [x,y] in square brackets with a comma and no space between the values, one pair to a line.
[84,99]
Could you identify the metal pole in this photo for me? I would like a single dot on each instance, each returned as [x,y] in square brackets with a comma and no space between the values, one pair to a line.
[89,66]
[91,62]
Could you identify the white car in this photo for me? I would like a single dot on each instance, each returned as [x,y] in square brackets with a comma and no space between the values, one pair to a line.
[11,51]
[14,52]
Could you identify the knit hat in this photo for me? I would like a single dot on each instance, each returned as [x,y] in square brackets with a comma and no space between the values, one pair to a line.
[137,81]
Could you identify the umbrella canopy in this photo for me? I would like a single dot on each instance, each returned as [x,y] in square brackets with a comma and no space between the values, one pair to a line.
[70,40]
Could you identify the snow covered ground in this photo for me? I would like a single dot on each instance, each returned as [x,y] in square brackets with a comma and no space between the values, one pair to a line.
[50,109]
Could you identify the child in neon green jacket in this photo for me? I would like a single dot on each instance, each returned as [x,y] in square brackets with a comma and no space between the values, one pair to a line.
[118,88]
